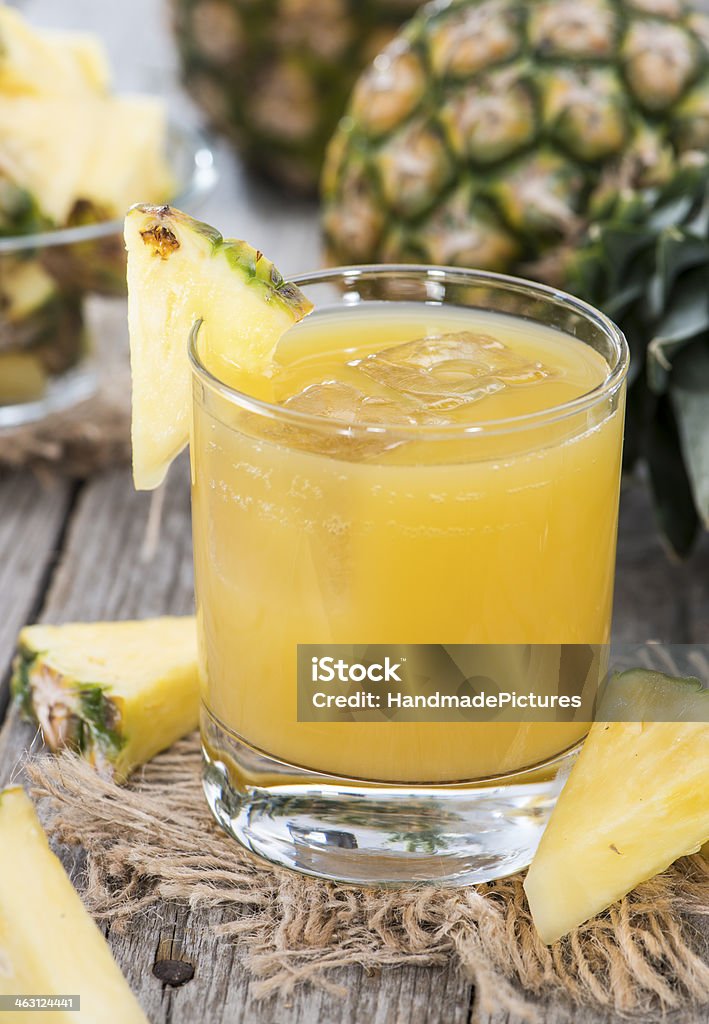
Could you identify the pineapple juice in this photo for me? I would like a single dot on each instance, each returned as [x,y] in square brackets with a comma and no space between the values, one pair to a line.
[378,510]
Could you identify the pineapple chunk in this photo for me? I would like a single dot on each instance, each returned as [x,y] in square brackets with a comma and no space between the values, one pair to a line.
[65,138]
[126,158]
[119,692]
[23,378]
[636,800]
[48,141]
[87,52]
[48,943]
[53,64]
[105,150]
[24,288]
[181,272]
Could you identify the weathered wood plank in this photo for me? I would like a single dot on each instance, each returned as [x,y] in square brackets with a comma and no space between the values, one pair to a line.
[568,1014]
[107,569]
[32,516]
[104,573]
[222,993]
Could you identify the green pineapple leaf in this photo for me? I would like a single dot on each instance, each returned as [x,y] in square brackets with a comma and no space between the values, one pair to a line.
[674,501]
[689,392]
[677,253]
[685,320]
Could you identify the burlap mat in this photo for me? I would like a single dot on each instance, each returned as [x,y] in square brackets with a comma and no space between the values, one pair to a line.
[155,840]
[93,434]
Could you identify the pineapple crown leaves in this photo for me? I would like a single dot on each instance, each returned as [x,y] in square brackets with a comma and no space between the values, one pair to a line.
[646,263]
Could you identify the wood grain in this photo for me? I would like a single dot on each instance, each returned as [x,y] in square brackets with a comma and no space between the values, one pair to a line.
[32,516]
[104,572]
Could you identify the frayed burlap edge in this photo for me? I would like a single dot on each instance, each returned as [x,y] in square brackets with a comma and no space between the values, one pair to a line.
[155,840]
[94,434]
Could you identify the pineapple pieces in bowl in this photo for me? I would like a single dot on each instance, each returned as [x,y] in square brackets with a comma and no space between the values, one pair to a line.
[73,156]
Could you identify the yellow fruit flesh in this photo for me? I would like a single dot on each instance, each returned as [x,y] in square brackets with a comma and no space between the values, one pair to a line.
[48,140]
[88,54]
[195,276]
[22,377]
[104,149]
[636,800]
[127,158]
[36,62]
[49,945]
[147,671]
[25,287]
[64,137]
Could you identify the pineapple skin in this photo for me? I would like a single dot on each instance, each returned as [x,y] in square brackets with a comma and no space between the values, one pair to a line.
[636,800]
[490,132]
[48,942]
[116,692]
[274,76]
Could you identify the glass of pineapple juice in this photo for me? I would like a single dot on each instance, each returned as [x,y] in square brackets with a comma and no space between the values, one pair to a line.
[434,460]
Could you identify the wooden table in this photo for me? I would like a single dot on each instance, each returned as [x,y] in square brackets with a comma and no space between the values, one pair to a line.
[73,551]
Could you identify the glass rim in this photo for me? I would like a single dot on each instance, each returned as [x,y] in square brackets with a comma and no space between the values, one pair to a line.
[607,387]
[200,180]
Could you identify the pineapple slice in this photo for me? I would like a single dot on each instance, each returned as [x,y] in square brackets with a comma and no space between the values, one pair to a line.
[181,272]
[119,692]
[101,150]
[48,943]
[65,138]
[636,800]
[88,54]
[35,62]
[48,141]
[126,158]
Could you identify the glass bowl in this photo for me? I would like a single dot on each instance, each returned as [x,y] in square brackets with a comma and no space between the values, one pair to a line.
[47,360]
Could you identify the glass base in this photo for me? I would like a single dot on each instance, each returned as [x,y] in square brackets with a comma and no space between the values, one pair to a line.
[345,830]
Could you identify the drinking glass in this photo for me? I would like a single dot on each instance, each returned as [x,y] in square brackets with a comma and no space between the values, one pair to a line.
[481,551]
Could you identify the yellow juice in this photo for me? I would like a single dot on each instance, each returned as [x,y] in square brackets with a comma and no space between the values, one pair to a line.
[412,510]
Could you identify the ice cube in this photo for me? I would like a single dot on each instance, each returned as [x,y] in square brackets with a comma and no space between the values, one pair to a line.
[336,400]
[445,371]
[346,407]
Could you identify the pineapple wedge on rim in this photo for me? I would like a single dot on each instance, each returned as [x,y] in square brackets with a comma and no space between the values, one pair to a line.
[182,272]
[118,692]
[48,942]
[636,800]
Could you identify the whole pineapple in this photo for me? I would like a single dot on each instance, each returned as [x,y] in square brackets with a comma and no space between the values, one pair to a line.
[529,136]
[274,75]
